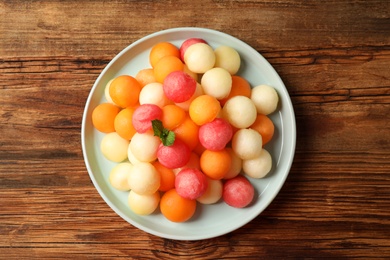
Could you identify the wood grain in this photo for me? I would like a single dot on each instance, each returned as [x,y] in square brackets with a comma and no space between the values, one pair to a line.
[334,58]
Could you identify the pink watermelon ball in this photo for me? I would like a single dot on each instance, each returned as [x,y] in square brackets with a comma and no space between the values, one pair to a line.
[216,134]
[191,183]
[143,116]
[238,192]
[174,156]
[187,43]
[178,86]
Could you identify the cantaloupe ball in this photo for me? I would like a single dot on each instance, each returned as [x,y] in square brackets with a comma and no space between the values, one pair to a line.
[114,147]
[186,104]
[265,99]
[119,175]
[107,92]
[153,93]
[236,165]
[199,57]
[213,192]
[217,82]
[228,58]
[240,111]
[143,204]
[144,146]
[258,167]
[144,179]
[247,144]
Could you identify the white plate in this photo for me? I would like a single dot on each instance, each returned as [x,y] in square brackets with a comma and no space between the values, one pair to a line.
[211,220]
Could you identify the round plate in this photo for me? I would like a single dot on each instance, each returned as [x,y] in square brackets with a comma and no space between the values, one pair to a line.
[209,220]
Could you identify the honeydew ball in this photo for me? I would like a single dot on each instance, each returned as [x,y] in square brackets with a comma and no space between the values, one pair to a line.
[265,99]
[119,175]
[143,204]
[247,144]
[107,92]
[217,82]
[153,93]
[228,58]
[236,165]
[144,146]
[114,147]
[199,57]
[144,179]
[213,192]
[131,157]
[240,111]
[258,167]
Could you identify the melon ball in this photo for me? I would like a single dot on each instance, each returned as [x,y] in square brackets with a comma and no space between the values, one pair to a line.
[130,156]
[107,92]
[114,147]
[144,146]
[265,99]
[153,93]
[190,183]
[187,43]
[215,134]
[236,165]
[199,57]
[144,179]
[217,82]
[143,116]
[186,104]
[258,167]
[240,111]
[228,58]
[238,192]
[143,204]
[247,144]
[174,156]
[193,163]
[119,175]
[213,192]
[178,86]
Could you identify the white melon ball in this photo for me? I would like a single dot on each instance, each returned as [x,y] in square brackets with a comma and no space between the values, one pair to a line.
[107,92]
[153,93]
[143,204]
[119,175]
[144,146]
[144,179]
[199,57]
[240,111]
[265,99]
[236,164]
[247,144]
[258,167]
[213,192]
[186,104]
[114,147]
[228,58]
[217,82]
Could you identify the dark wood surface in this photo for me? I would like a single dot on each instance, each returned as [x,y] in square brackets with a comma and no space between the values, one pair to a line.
[334,58]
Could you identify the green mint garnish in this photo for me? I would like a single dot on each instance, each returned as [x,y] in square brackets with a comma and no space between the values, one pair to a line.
[167,137]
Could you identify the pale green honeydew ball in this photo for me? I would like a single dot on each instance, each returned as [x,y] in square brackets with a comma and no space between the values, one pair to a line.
[217,82]
[199,57]
[144,179]
[258,167]
[247,143]
[265,99]
[114,147]
[240,111]
[228,58]
[119,175]
[144,146]
[143,204]
[107,92]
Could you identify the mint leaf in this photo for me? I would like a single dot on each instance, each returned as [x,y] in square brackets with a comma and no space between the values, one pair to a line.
[166,136]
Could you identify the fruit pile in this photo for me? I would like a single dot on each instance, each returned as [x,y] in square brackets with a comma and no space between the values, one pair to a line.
[186,131]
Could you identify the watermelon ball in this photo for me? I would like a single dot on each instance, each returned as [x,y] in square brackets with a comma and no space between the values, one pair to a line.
[143,116]
[215,135]
[178,86]
[174,156]
[238,192]
[191,183]
[187,43]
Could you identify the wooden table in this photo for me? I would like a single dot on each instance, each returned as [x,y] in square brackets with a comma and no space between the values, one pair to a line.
[334,58]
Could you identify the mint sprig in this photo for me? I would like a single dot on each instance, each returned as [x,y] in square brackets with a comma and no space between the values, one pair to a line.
[166,136]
